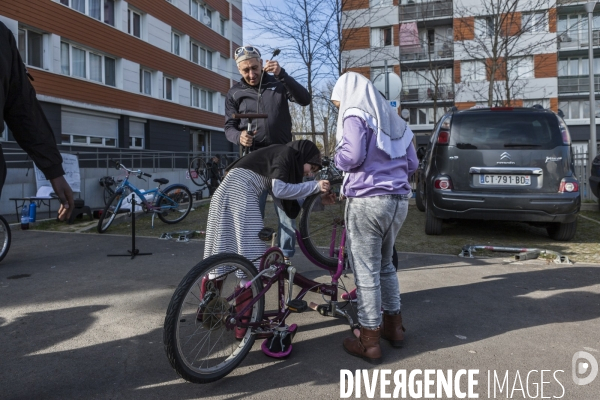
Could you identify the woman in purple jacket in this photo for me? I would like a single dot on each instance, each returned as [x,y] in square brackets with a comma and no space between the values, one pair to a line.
[374,148]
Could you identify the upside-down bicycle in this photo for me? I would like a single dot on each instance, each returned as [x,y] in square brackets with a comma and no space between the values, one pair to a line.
[218,310]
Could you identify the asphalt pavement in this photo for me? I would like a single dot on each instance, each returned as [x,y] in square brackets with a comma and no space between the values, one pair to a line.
[76,324]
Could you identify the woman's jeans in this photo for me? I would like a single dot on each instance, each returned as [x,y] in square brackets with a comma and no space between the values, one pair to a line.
[372,224]
[286,233]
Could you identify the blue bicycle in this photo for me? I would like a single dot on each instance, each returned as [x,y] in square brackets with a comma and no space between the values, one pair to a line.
[171,205]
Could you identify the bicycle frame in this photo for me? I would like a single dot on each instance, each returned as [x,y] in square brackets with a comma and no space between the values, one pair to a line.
[150,205]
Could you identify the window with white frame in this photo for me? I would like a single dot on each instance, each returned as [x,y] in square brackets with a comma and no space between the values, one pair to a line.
[31,47]
[201,12]
[484,27]
[472,71]
[176,43]
[83,128]
[577,66]
[79,62]
[381,3]
[520,68]
[577,109]
[381,37]
[534,22]
[134,23]
[168,88]
[137,129]
[531,102]
[223,27]
[200,55]
[574,27]
[102,10]
[202,98]
[146,81]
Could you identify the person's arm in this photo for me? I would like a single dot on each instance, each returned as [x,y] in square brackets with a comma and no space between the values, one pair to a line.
[293,191]
[412,160]
[295,91]
[26,119]
[232,131]
[352,150]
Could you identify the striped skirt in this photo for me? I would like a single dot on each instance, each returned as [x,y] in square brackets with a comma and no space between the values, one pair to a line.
[234,217]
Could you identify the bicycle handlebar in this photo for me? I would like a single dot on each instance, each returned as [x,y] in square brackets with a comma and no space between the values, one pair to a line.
[248,116]
[118,165]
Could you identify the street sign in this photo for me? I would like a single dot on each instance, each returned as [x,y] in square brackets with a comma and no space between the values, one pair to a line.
[394,103]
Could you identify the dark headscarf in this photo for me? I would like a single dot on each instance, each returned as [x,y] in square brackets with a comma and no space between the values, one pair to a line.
[283,162]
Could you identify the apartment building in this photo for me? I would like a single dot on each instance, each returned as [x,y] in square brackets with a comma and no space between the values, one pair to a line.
[136,74]
[444,53]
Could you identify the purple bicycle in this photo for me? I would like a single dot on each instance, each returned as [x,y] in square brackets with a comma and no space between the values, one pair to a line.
[218,310]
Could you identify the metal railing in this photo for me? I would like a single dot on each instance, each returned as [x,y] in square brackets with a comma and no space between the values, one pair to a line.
[149,160]
[577,84]
[427,93]
[580,161]
[423,53]
[571,40]
[411,12]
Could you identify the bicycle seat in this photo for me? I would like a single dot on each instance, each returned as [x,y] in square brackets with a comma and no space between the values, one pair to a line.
[162,181]
[266,234]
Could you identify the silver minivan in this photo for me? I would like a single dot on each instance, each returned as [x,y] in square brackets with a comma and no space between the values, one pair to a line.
[503,163]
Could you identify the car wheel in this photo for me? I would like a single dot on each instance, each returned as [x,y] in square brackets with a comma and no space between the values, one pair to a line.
[562,232]
[419,198]
[433,225]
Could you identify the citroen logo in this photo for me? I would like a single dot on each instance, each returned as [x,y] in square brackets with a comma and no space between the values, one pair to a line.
[505,156]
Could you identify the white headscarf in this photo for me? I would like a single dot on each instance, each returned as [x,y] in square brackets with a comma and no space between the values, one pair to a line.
[358,97]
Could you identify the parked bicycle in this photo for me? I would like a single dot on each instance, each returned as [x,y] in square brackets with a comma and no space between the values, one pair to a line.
[199,170]
[108,183]
[171,204]
[211,308]
[5,237]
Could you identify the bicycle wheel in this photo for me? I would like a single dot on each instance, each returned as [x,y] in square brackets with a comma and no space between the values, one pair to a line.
[110,212]
[5,237]
[199,344]
[175,203]
[198,172]
[321,226]
[108,193]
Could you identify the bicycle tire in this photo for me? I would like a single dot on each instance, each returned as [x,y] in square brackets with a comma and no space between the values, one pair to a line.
[108,193]
[198,172]
[110,212]
[178,193]
[184,340]
[317,224]
[5,237]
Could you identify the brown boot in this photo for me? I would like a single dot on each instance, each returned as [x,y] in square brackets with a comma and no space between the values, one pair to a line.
[366,346]
[392,329]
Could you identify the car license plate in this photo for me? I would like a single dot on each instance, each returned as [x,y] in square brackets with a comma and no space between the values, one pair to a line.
[507,180]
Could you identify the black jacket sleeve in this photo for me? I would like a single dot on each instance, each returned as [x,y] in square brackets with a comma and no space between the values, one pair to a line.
[295,91]
[232,132]
[22,112]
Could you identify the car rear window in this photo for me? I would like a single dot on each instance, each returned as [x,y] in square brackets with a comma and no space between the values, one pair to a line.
[502,130]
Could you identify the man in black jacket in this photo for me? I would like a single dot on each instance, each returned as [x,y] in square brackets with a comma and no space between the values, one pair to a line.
[24,116]
[262,93]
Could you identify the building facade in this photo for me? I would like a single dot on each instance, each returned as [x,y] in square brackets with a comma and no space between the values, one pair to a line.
[464,52]
[136,74]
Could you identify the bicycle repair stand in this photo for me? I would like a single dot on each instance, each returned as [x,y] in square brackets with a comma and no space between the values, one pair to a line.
[133,252]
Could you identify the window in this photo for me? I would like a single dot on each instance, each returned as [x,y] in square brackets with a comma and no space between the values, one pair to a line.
[102,10]
[82,63]
[134,23]
[484,27]
[577,66]
[223,27]
[576,109]
[201,12]
[31,47]
[88,129]
[137,131]
[381,3]
[200,55]
[473,71]
[175,43]
[202,98]
[381,36]
[168,88]
[520,68]
[534,22]
[146,82]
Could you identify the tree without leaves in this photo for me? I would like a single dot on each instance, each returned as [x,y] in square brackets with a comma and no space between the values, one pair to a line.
[498,38]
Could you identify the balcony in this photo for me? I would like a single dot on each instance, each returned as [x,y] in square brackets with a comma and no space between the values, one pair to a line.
[577,84]
[577,40]
[445,92]
[422,11]
[438,51]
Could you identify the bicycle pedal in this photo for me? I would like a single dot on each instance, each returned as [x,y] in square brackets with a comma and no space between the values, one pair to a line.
[297,306]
